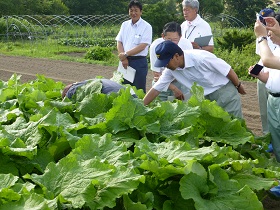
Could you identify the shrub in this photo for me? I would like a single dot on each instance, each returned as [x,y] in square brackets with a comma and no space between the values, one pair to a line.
[158,19]
[235,38]
[99,53]
[239,59]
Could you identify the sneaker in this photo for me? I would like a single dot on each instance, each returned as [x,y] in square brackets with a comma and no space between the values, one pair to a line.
[270,148]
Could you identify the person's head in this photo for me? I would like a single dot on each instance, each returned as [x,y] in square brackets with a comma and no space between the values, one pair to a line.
[168,54]
[267,12]
[135,10]
[172,31]
[190,9]
[274,38]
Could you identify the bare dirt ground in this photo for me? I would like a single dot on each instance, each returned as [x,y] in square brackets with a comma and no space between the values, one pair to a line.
[69,72]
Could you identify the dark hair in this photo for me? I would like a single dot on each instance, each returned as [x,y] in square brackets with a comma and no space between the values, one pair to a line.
[135,3]
[277,17]
[172,27]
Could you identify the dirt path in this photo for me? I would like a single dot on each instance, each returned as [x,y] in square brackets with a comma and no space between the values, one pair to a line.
[69,72]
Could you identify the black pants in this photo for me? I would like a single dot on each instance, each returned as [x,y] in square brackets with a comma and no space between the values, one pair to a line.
[141,67]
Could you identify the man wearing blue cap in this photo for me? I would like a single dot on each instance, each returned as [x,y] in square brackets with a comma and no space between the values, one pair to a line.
[261,89]
[219,81]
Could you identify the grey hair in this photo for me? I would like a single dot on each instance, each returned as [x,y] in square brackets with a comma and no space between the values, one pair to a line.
[191,3]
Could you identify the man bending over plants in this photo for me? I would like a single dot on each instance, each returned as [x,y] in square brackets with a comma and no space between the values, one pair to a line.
[219,81]
[105,86]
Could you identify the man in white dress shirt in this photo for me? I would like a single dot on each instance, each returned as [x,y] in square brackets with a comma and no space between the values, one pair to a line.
[194,26]
[133,42]
[171,31]
[271,78]
[219,81]
[261,89]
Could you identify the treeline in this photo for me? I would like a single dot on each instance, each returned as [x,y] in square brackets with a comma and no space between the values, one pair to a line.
[244,10]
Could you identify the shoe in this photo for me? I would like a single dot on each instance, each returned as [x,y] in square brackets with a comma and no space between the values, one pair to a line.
[275,191]
[270,148]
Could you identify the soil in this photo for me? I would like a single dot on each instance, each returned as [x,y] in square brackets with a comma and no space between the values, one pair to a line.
[69,72]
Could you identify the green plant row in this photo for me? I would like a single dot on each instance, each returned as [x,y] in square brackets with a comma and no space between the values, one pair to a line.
[88,42]
[63,154]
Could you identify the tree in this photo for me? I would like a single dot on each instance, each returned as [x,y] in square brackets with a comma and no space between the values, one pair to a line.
[211,7]
[159,14]
[206,7]
[94,7]
[32,7]
[247,13]
[7,7]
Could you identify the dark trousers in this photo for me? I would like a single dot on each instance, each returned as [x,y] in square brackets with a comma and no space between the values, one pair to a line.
[141,67]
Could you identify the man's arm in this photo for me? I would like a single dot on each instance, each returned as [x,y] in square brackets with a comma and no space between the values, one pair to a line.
[268,59]
[132,51]
[209,48]
[176,91]
[150,96]
[232,76]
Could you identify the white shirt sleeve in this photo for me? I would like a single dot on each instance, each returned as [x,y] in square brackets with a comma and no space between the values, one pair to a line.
[185,44]
[153,56]
[164,80]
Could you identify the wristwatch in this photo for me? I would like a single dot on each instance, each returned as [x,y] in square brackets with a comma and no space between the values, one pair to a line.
[260,39]
[125,54]
[238,86]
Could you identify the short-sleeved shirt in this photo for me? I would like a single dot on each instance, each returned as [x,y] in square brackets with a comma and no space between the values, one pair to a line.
[273,81]
[131,35]
[184,44]
[269,43]
[201,67]
[196,28]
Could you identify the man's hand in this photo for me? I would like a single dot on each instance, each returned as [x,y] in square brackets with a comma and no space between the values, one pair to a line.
[259,29]
[156,75]
[273,25]
[241,90]
[125,63]
[195,45]
[178,94]
[122,56]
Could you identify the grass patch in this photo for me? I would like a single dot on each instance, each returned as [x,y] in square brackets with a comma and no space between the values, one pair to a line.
[52,50]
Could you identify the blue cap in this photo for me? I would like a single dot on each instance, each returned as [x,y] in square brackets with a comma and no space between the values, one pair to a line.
[165,51]
[267,12]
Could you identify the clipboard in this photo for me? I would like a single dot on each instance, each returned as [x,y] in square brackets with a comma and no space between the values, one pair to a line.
[128,74]
[203,40]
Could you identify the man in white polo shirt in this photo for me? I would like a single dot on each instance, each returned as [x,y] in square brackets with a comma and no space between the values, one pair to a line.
[271,78]
[171,31]
[133,41]
[194,26]
[219,81]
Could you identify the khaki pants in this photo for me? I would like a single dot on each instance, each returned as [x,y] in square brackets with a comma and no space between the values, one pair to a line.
[273,116]
[228,98]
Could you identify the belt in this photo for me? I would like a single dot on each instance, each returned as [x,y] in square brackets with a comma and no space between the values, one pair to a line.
[275,94]
[135,57]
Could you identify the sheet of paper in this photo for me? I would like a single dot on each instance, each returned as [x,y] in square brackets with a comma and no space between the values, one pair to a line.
[128,74]
[203,41]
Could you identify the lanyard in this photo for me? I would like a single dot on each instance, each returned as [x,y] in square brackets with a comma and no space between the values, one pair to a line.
[189,33]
